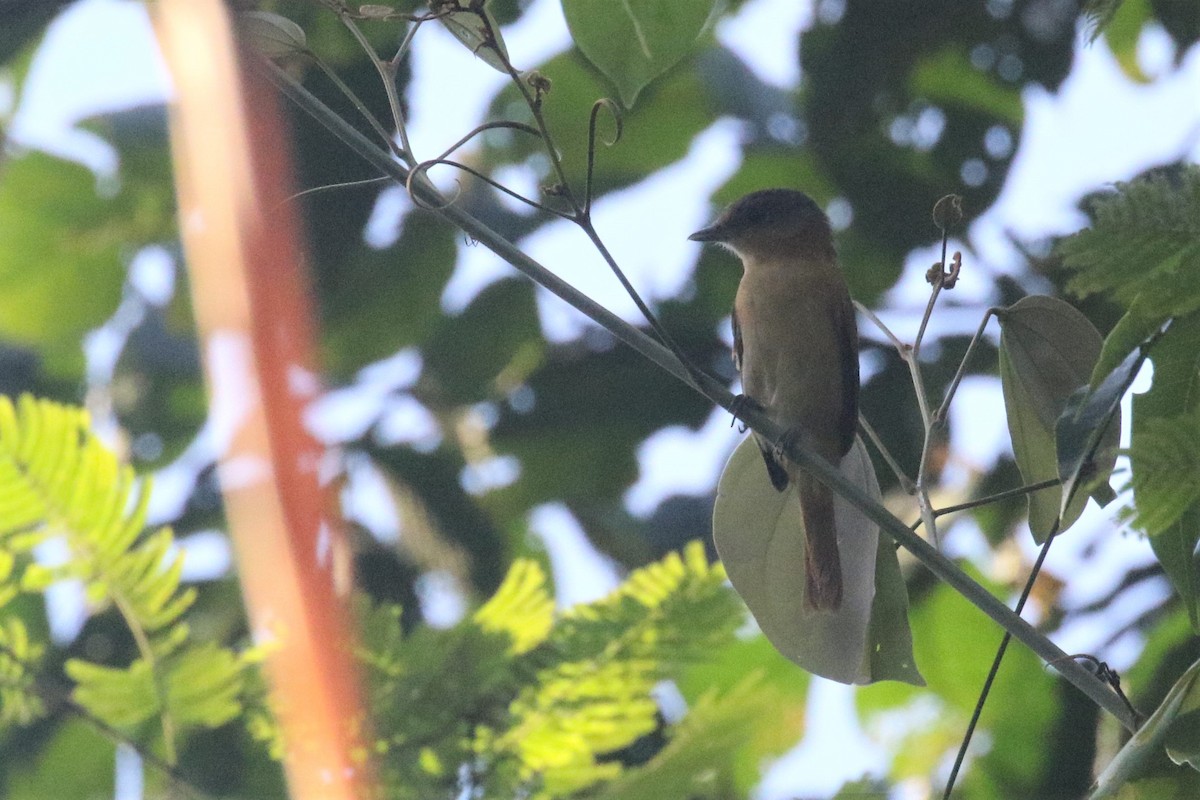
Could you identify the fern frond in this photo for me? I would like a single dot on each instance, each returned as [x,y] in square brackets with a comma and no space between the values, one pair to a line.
[19,703]
[592,695]
[673,611]
[1144,238]
[700,757]
[58,480]
[521,607]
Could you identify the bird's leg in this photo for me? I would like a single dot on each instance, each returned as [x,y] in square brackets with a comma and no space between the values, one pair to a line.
[784,442]
[740,403]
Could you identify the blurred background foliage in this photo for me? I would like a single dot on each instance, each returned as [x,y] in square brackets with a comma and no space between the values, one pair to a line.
[898,104]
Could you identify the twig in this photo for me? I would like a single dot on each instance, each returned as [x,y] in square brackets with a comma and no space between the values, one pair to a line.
[906,483]
[994,498]
[387,74]
[995,668]
[716,392]
[939,416]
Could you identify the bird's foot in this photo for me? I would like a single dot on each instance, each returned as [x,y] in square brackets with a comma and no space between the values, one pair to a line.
[740,403]
[784,442]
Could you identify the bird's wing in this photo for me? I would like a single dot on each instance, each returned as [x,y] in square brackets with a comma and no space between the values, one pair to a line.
[848,423]
[737,343]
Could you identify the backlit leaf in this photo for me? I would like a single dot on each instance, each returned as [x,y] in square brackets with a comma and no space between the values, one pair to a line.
[634,41]
[759,535]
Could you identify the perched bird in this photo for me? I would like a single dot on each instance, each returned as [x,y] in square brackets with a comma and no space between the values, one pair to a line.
[795,343]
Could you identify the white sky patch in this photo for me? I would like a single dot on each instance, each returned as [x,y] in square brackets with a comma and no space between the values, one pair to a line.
[834,748]
[979,422]
[1099,127]
[765,34]
[80,71]
[451,88]
[207,556]
[581,572]
[645,228]
[678,460]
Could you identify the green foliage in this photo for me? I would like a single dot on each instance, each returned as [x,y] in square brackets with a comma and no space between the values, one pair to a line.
[19,704]
[634,42]
[1047,350]
[536,704]
[759,534]
[1143,251]
[58,481]
[1163,452]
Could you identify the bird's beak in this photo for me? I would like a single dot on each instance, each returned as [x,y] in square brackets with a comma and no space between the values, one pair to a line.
[713,233]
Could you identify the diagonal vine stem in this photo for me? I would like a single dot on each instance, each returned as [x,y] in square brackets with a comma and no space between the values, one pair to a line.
[716,392]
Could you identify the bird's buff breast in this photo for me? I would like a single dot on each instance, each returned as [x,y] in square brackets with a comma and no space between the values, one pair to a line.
[790,351]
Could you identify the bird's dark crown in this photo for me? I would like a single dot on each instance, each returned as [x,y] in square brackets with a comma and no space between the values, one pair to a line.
[770,218]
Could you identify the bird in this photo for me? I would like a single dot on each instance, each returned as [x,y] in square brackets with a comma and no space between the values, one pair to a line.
[795,345]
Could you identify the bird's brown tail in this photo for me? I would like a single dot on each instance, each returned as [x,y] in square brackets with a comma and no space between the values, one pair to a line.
[822,564]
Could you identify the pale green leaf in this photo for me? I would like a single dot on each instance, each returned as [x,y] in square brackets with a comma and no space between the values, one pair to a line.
[1184,697]
[634,41]
[759,534]
[271,34]
[1047,351]
[479,31]
[119,697]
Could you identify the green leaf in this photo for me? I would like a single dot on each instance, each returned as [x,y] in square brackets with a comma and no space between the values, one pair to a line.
[1164,422]
[657,132]
[1047,351]
[634,41]
[60,258]
[479,31]
[1142,250]
[271,34]
[203,686]
[19,701]
[703,748]
[120,697]
[949,79]
[1088,430]
[1159,730]
[1122,28]
[759,535]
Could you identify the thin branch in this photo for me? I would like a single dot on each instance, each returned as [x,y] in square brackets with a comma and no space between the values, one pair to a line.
[939,416]
[906,483]
[719,394]
[354,99]
[995,498]
[332,186]
[995,669]
[871,315]
[388,75]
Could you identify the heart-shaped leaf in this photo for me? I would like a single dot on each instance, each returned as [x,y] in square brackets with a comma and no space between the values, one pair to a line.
[634,41]
[1047,351]
[759,535]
